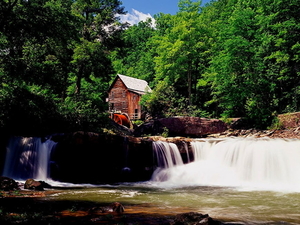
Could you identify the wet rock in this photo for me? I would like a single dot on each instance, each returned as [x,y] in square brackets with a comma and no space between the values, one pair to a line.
[289,120]
[182,126]
[8,184]
[114,207]
[117,207]
[193,218]
[36,185]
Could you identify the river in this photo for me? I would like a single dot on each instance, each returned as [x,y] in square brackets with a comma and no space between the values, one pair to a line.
[226,204]
[253,181]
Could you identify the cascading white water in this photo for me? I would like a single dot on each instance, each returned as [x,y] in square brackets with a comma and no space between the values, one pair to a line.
[28,157]
[270,164]
[168,156]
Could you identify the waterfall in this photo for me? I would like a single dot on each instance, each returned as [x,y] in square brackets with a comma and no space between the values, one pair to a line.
[270,164]
[28,157]
[168,156]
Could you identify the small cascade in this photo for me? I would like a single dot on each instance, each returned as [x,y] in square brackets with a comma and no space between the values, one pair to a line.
[168,156]
[28,157]
[186,148]
[126,170]
[270,164]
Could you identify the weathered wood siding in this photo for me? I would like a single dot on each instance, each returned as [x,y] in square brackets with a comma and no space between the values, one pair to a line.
[123,100]
[134,108]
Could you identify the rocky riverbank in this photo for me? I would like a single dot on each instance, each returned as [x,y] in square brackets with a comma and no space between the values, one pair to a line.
[20,205]
[287,126]
[34,207]
[292,133]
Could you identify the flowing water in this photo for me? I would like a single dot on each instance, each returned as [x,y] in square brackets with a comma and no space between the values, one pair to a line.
[221,203]
[255,164]
[28,157]
[254,181]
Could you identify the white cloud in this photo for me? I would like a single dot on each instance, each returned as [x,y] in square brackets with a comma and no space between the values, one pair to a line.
[134,17]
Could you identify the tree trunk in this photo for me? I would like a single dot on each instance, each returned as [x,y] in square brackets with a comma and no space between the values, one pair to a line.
[78,80]
[190,85]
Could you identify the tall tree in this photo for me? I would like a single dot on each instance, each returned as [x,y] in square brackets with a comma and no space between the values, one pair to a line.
[46,48]
[254,70]
[181,50]
[135,58]
[34,58]
[34,33]
[99,28]
[279,25]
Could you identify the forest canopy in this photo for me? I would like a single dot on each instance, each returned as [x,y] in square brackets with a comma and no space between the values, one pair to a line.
[229,58]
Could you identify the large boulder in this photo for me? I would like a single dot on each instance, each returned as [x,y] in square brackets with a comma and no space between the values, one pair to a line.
[193,218]
[8,184]
[182,126]
[35,185]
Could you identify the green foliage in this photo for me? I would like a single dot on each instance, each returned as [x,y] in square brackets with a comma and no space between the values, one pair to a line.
[165,132]
[165,102]
[276,124]
[252,67]
[135,57]
[181,53]
[88,107]
[231,58]
[54,64]
[137,122]
[189,6]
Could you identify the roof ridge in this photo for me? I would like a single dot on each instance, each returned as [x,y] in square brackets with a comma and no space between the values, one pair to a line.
[135,84]
[131,77]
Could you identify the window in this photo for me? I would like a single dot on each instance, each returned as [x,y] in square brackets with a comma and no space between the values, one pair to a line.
[112,95]
[112,106]
[136,114]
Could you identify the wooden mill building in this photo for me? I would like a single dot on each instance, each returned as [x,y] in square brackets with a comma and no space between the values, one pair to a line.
[125,94]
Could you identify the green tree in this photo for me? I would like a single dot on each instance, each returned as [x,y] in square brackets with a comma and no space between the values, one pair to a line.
[99,28]
[164,101]
[253,71]
[279,25]
[46,48]
[135,58]
[239,82]
[34,59]
[182,51]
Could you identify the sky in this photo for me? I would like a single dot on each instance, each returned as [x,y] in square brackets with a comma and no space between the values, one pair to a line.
[142,9]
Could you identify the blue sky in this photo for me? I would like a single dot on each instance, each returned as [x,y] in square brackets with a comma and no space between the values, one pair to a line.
[141,9]
[153,6]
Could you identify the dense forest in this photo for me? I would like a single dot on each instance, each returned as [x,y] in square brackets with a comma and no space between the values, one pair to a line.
[229,58]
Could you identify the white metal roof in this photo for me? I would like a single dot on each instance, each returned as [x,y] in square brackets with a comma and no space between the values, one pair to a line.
[134,84]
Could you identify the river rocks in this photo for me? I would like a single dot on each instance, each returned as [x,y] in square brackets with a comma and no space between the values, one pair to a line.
[289,120]
[8,184]
[182,126]
[116,207]
[35,185]
[193,218]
